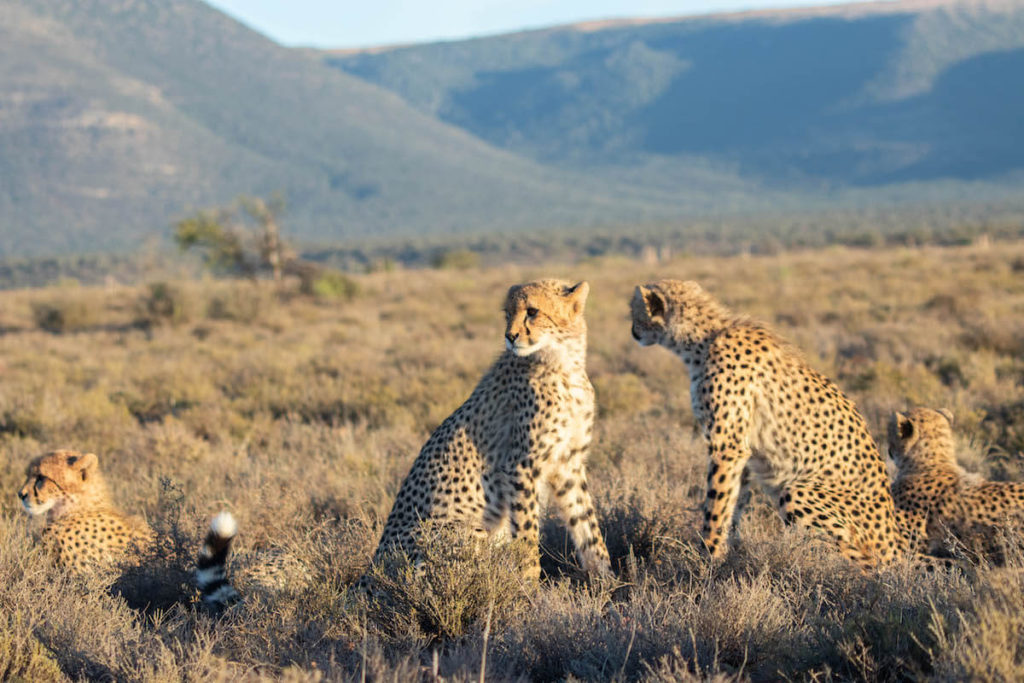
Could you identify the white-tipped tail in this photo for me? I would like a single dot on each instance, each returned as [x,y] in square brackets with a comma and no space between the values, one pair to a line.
[224,525]
[211,567]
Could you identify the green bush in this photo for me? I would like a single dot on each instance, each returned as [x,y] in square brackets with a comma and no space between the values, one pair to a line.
[332,284]
[456,259]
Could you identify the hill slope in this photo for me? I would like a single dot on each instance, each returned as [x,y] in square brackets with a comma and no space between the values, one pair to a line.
[117,116]
[854,96]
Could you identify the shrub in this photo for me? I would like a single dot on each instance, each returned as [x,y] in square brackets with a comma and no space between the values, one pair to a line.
[460,583]
[72,312]
[22,656]
[243,304]
[164,303]
[455,259]
[332,284]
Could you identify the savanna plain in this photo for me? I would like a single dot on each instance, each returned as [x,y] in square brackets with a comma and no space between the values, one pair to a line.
[301,413]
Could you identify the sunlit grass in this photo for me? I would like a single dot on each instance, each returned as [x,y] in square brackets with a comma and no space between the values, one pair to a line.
[301,414]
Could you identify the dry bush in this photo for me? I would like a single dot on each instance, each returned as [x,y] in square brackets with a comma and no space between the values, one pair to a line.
[70,311]
[461,583]
[251,303]
[165,303]
[302,418]
[22,656]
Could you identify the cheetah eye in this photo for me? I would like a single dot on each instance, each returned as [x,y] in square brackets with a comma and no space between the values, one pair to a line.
[531,312]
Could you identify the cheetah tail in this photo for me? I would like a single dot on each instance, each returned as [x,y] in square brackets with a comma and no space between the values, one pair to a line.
[211,567]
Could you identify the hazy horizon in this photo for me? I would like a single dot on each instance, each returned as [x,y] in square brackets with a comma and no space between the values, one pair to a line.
[321,24]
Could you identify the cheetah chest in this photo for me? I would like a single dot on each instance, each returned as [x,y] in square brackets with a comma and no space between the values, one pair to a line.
[764,436]
[772,461]
[567,421]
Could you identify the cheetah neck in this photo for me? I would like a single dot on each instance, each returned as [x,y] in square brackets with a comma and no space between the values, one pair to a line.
[567,356]
[946,464]
[693,352]
[82,502]
[691,338]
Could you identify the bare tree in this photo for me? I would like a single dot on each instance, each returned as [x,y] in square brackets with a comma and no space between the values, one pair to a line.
[266,214]
[229,244]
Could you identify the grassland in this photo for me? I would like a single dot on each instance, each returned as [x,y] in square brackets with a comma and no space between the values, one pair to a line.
[302,414]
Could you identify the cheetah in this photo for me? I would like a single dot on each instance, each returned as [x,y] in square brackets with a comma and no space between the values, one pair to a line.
[762,409]
[87,533]
[524,432]
[936,495]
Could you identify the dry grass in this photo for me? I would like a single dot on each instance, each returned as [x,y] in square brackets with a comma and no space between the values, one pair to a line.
[302,413]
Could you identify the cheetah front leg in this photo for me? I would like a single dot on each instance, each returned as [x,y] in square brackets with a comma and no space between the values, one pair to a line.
[571,499]
[524,514]
[913,526]
[742,500]
[725,475]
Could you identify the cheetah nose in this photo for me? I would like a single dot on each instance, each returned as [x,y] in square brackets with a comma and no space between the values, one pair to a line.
[511,337]
[23,495]
[632,331]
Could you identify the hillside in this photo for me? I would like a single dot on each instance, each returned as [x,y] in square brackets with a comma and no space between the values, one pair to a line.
[117,116]
[842,97]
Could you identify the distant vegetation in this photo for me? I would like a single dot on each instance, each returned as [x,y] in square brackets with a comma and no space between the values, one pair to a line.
[229,244]
[764,234]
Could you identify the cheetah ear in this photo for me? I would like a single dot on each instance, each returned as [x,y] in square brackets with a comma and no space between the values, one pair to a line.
[654,302]
[904,427]
[947,414]
[578,296]
[84,463]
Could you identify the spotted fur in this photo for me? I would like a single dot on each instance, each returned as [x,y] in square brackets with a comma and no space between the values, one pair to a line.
[761,408]
[524,431]
[87,533]
[939,499]
[84,529]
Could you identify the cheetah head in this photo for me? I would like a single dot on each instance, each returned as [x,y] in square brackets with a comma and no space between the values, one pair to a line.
[543,314]
[673,310]
[59,481]
[921,436]
[649,310]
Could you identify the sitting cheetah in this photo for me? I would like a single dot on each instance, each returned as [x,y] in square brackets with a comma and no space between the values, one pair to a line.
[935,494]
[87,533]
[761,408]
[526,425]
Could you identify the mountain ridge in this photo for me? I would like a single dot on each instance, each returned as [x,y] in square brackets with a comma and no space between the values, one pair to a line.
[863,95]
[118,116]
[843,10]
[122,115]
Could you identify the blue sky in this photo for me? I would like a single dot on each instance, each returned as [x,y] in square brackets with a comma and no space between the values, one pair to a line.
[361,23]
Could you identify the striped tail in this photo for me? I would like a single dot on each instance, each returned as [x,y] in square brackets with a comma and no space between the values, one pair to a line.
[211,567]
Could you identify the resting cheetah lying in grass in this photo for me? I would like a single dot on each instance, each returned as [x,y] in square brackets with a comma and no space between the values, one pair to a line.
[762,408]
[87,533]
[526,426]
[936,495]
